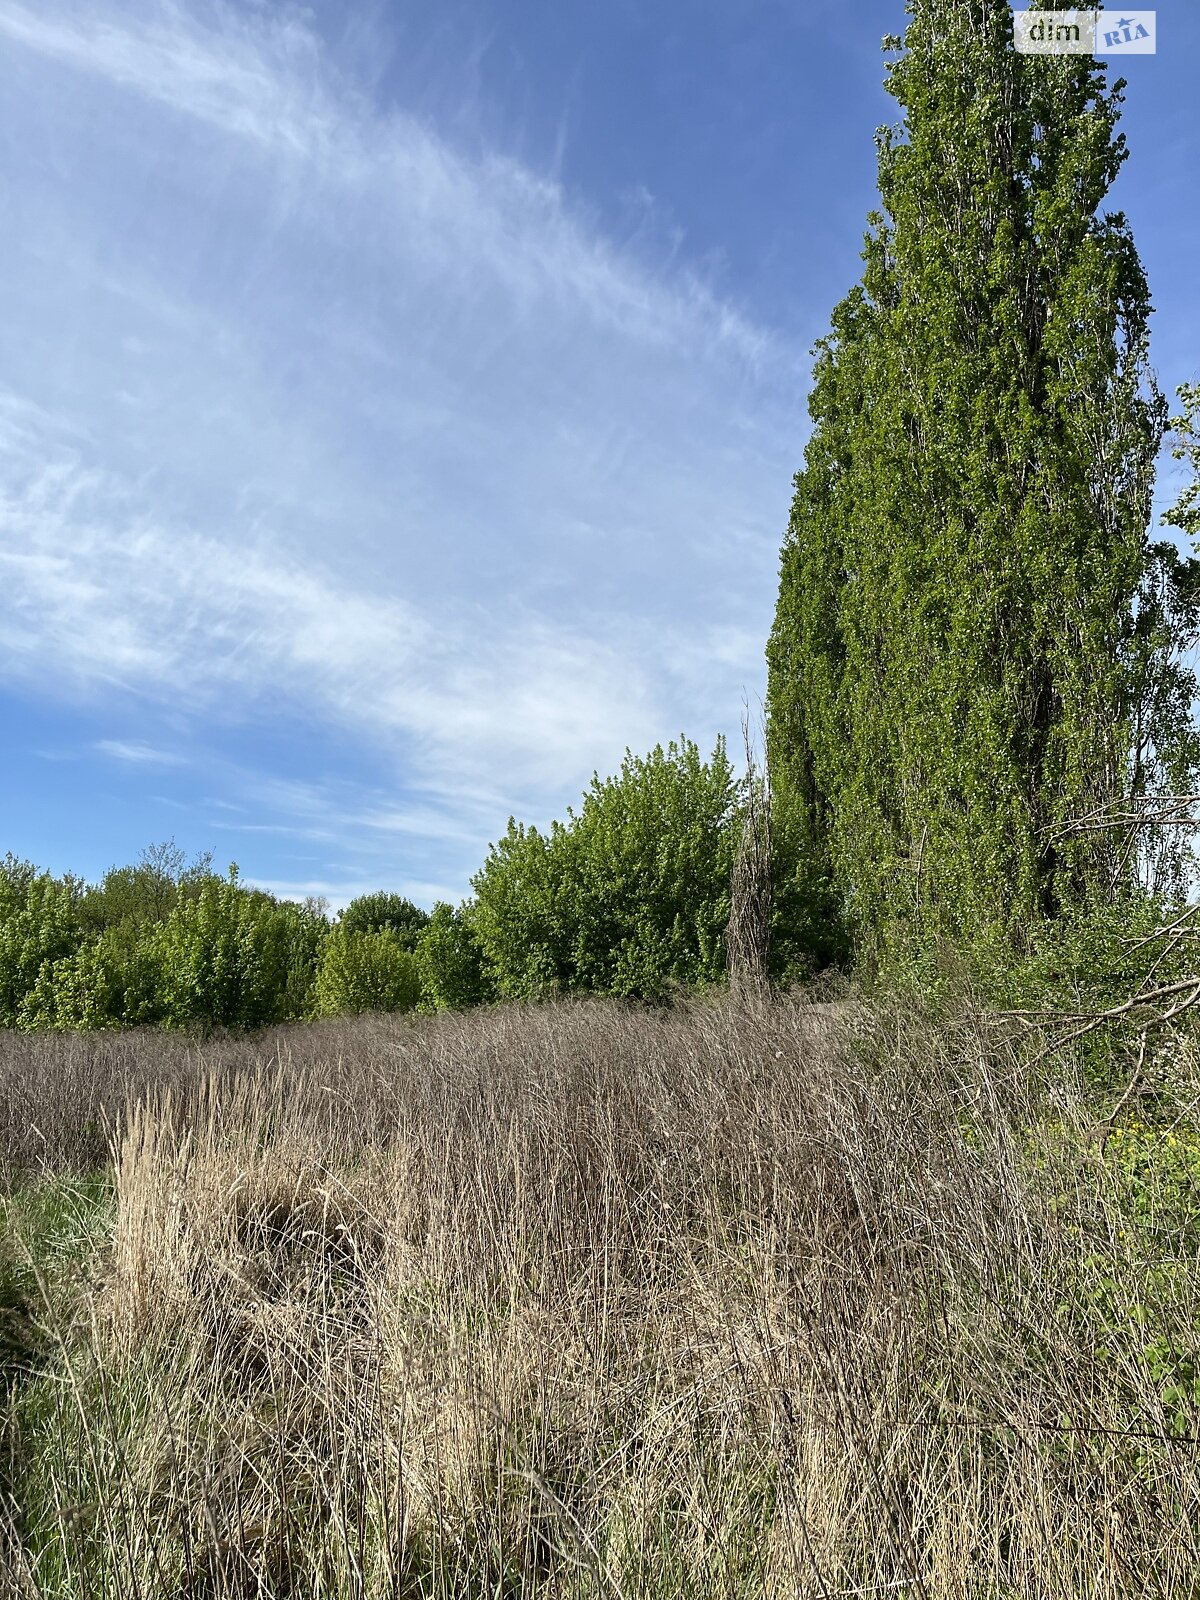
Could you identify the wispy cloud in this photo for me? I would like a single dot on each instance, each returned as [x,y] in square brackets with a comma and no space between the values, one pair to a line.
[259,76]
[278,829]
[139,754]
[132,604]
[421,822]
[418,455]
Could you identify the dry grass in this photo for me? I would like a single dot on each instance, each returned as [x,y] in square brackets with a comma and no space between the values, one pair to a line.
[585,1300]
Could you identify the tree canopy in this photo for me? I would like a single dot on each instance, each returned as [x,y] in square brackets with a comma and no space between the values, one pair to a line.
[630,896]
[971,618]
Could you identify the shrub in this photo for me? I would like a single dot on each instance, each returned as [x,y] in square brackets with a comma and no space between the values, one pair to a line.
[365,972]
[631,896]
[291,939]
[451,961]
[115,980]
[521,920]
[227,957]
[39,925]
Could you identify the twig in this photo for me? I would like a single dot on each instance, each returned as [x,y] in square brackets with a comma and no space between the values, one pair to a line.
[1131,1086]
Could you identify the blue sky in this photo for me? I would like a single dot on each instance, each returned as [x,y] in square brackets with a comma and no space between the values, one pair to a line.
[399,401]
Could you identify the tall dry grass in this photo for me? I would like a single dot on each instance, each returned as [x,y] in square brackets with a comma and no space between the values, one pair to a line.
[584,1300]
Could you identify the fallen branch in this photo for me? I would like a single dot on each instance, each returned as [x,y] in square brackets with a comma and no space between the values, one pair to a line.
[1090,1021]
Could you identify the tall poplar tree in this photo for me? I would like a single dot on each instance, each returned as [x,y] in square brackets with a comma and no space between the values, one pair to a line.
[950,671]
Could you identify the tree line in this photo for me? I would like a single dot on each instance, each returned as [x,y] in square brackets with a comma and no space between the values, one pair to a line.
[629,896]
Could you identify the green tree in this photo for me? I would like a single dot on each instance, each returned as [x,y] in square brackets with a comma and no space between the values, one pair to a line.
[234,957]
[953,672]
[368,971]
[145,892]
[630,896]
[451,961]
[372,912]
[223,955]
[650,867]
[1163,641]
[114,979]
[1185,446]
[39,926]
[521,919]
[291,939]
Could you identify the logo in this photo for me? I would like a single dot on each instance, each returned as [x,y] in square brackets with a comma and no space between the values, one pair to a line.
[1131,35]
[1085,33]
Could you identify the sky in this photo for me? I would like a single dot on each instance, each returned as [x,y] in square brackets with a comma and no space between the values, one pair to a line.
[399,400]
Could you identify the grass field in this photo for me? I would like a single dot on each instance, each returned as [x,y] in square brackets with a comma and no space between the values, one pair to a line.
[588,1300]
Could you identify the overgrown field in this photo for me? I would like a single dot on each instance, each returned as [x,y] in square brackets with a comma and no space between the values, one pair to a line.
[589,1300]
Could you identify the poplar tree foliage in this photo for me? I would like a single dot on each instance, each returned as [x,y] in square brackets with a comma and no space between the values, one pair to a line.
[957,673]
[1185,513]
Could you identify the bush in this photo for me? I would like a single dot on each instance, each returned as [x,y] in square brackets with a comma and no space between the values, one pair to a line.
[291,939]
[39,925]
[111,981]
[630,897]
[521,915]
[451,961]
[234,958]
[365,972]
